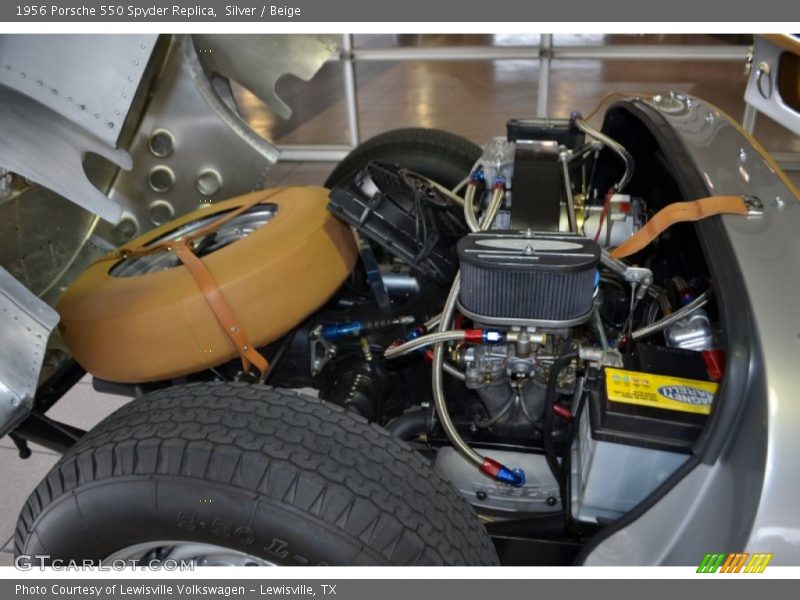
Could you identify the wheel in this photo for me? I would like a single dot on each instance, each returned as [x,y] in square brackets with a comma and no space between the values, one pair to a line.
[444,157]
[145,318]
[222,473]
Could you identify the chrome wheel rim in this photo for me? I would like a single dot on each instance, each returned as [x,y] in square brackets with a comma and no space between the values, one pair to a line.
[166,552]
[236,229]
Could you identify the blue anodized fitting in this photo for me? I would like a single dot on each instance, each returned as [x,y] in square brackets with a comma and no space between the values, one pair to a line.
[513,477]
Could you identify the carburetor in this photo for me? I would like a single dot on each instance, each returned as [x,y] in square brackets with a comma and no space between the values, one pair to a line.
[536,286]
[489,364]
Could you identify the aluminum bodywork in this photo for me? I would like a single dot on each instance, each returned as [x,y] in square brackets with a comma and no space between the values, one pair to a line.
[190,149]
[176,99]
[745,500]
[27,323]
[80,110]
[251,60]
[43,146]
[88,79]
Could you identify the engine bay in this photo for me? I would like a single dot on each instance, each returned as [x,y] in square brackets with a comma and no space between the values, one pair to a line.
[497,333]
[521,327]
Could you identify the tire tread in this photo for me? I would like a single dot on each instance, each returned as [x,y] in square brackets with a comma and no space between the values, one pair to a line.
[285,447]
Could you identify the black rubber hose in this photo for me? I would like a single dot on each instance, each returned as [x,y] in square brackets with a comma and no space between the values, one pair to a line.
[408,425]
[550,398]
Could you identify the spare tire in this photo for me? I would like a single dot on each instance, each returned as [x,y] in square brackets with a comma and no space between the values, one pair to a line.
[145,319]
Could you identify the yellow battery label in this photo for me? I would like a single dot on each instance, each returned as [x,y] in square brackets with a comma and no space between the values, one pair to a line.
[660,391]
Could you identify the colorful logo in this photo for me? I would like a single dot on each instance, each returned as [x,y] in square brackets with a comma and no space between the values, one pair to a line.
[735,562]
[686,394]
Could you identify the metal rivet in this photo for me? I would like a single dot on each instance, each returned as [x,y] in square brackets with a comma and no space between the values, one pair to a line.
[125,230]
[208,182]
[233,329]
[161,143]
[161,179]
[161,212]
[245,348]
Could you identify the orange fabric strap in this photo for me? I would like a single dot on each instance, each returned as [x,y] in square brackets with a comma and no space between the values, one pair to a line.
[677,213]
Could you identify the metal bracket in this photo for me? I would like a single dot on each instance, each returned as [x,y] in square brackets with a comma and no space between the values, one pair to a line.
[320,350]
[374,275]
[755,207]
[607,357]
[639,275]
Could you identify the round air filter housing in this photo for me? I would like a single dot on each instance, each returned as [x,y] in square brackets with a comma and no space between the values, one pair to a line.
[538,279]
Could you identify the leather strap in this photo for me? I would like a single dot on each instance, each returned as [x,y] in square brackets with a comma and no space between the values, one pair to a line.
[677,213]
[220,307]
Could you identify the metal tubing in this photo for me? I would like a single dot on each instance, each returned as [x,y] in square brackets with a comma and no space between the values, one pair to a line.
[439,400]
[749,118]
[573,222]
[543,90]
[448,53]
[350,92]
[469,208]
[679,314]
[315,152]
[617,52]
[615,146]
[545,52]
[651,52]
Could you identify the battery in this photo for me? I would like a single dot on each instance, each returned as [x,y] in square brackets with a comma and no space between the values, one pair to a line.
[635,428]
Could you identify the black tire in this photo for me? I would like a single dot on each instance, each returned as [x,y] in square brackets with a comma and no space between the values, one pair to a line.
[444,157]
[262,471]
